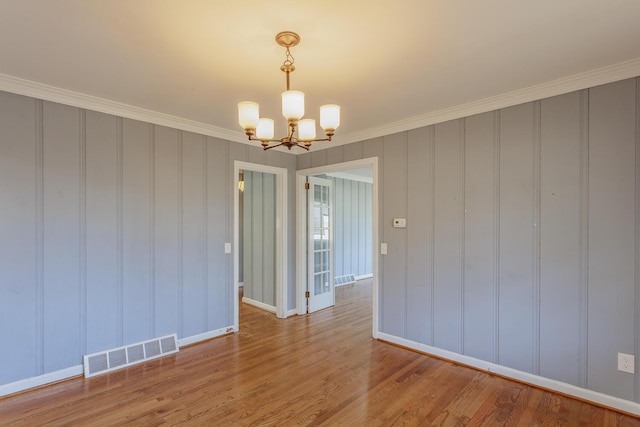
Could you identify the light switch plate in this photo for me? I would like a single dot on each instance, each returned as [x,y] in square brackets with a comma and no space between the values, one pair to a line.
[227,248]
[383,248]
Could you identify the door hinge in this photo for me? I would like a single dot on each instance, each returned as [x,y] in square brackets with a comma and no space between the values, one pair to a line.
[307,294]
[306,186]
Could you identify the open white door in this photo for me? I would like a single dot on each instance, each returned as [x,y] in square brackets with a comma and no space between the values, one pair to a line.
[320,244]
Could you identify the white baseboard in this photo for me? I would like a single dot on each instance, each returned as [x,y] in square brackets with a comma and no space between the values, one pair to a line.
[525,377]
[63,374]
[205,336]
[261,305]
[52,377]
[365,276]
[291,312]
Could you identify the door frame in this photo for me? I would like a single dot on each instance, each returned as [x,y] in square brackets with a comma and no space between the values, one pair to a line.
[301,231]
[281,236]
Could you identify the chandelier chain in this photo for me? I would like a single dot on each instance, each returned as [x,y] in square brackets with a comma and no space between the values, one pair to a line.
[289,60]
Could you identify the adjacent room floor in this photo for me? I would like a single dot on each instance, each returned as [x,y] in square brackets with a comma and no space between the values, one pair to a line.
[321,369]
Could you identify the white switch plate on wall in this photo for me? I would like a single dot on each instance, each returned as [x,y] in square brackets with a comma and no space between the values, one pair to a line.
[227,248]
[626,363]
[383,248]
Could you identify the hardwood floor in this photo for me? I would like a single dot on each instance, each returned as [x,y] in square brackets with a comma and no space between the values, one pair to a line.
[321,369]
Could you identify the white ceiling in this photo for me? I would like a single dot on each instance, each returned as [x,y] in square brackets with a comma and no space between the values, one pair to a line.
[382,61]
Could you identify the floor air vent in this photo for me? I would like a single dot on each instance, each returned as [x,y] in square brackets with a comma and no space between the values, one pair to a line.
[345,280]
[116,358]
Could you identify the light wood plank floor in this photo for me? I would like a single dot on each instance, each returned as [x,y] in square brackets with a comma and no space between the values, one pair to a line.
[322,369]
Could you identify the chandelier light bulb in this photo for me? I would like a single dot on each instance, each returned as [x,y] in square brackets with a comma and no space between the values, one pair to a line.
[248,115]
[307,130]
[292,104]
[264,131]
[330,117]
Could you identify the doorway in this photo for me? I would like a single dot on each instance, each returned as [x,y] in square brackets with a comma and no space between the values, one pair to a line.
[273,254]
[304,273]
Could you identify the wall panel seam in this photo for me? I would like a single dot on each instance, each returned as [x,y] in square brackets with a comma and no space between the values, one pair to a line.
[39,234]
[82,186]
[461,235]
[432,230]
[120,231]
[636,388]
[152,230]
[584,237]
[180,235]
[406,238]
[537,159]
[496,237]
[205,233]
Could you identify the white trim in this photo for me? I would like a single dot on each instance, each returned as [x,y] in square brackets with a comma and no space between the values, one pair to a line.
[259,304]
[103,105]
[205,336]
[535,380]
[301,235]
[51,377]
[599,76]
[584,80]
[281,236]
[75,371]
[292,312]
[364,276]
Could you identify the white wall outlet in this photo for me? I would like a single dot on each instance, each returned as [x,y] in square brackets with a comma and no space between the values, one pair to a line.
[383,248]
[227,248]
[626,363]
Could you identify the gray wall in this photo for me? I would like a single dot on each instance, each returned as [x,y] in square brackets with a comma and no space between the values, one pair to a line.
[353,227]
[112,231]
[259,237]
[521,246]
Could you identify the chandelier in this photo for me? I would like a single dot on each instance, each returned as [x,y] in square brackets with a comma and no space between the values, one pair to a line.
[300,132]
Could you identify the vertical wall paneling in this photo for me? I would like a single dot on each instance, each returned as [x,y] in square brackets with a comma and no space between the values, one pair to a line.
[335,155]
[269,240]
[393,292]
[559,239]
[583,240]
[496,241]
[102,232]
[347,227]
[119,231]
[247,233]
[559,269]
[362,255]
[516,237]
[137,318]
[193,233]
[18,226]
[61,203]
[480,235]
[39,203]
[353,151]
[256,245]
[204,237]
[167,231]
[418,227]
[447,237]
[611,242]
[368,248]
[637,269]
[82,196]
[535,260]
[152,231]
[338,187]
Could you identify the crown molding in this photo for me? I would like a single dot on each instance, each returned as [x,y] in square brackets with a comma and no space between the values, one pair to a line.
[587,79]
[584,80]
[76,99]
